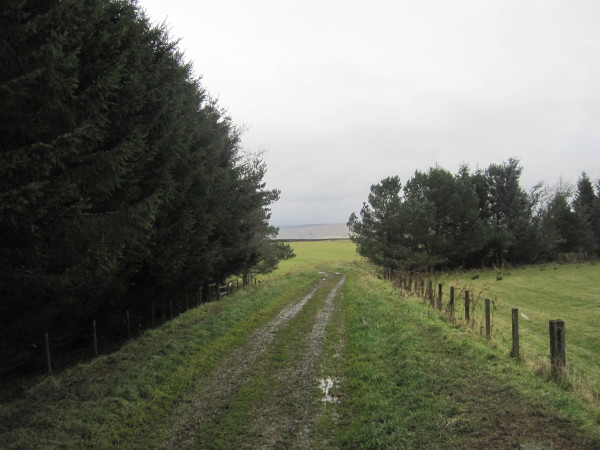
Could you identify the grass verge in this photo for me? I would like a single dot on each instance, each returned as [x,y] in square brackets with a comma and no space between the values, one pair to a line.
[115,398]
[541,293]
[414,381]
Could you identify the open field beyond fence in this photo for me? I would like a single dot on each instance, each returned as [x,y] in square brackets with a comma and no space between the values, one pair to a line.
[324,353]
[542,293]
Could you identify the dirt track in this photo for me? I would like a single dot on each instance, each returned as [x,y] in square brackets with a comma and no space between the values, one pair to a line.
[286,414]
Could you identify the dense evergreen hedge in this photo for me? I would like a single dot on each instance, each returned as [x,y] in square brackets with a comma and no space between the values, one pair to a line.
[121,181]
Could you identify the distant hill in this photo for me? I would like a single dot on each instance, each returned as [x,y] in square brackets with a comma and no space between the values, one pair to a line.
[314,231]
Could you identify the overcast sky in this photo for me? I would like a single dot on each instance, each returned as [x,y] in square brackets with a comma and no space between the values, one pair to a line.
[340,94]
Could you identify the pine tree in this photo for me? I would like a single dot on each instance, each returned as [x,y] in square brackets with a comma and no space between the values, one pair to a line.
[509,210]
[377,233]
[584,205]
[121,181]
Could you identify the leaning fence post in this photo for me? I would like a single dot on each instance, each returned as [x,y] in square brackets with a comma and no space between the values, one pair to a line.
[467,306]
[488,322]
[439,298]
[95,338]
[558,356]
[451,304]
[515,333]
[47,348]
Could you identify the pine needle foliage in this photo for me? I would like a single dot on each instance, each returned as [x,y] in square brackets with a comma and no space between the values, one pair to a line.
[120,178]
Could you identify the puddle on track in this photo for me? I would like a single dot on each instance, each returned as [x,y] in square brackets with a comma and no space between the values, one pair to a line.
[325,384]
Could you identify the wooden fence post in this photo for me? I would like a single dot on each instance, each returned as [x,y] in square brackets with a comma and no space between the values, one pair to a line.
[467,306]
[439,297]
[488,322]
[430,292]
[558,356]
[47,348]
[95,336]
[515,333]
[451,304]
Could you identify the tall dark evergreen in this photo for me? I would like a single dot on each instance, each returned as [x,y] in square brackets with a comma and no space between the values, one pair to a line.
[595,218]
[377,233]
[441,220]
[560,224]
[120,179]
[509,210]
[585,206]
[456,231]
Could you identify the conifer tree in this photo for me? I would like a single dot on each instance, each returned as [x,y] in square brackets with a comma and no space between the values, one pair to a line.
[120,180]
[584,205]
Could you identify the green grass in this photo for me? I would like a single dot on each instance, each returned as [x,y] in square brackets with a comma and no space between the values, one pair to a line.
[408,378]
[319,254]
[543,293]
[116,398]
[267,384]
[415,381]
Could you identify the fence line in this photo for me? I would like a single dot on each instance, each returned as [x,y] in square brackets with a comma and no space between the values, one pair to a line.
[61,350]
[403,280]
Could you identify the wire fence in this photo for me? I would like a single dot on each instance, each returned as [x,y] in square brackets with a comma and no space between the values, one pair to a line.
[425,288]
[58,348]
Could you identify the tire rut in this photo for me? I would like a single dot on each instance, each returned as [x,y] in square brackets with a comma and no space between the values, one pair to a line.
[211,399]
[277,425]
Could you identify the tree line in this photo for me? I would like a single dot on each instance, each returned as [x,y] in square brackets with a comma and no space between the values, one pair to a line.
[121,180]
[476,218]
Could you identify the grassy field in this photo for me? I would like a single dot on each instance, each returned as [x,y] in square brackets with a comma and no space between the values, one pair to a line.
[405,378]
[319,253]
[542,293]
